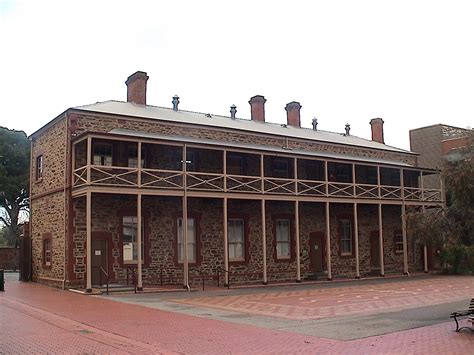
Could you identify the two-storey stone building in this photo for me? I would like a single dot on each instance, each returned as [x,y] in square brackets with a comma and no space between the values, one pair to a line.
[173,195]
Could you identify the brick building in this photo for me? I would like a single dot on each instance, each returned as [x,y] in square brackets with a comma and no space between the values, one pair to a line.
[265,202]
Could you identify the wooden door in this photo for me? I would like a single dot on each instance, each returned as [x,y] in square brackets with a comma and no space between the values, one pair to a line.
[317,252]
[99,259]
[374,249]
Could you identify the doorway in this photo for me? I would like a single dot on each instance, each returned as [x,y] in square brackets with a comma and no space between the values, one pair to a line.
[374,250]
[99,259]
[317,252]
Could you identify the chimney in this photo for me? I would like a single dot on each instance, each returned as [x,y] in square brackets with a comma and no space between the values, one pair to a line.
[377,130]
[136,88]
[293,114]
[257,108]
[348,129]
[315,124]
[175,102]
[233,111]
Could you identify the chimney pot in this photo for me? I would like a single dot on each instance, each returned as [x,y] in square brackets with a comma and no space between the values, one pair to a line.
[377,130]
[257,108]
[315,124]
[175,102]
[348,128]
[293,114]
[136,88]
[233,111]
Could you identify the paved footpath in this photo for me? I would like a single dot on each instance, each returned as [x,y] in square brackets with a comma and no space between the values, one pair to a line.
[37,319]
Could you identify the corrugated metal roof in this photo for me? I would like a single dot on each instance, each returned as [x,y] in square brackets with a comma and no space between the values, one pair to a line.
[196,118]
[275,150]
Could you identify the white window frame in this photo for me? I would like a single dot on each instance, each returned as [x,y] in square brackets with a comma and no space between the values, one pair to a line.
[133,157]
[192,245]
[398,239]
[344,237]
[39,167]
[100,157]
[282,239]
[236,238]
[133,244]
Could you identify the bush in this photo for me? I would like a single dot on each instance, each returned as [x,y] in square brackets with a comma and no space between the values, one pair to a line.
[459,258]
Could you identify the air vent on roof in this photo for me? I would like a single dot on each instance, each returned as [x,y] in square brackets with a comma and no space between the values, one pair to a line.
[175,102]
[208,115]
[233,111]
[348,129]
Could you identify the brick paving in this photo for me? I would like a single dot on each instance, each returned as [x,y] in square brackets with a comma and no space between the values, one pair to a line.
[331,302]
[38,319]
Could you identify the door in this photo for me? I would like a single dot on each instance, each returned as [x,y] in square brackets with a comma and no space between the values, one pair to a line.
[429,254]
[99,259]
[316,252]
[374,250]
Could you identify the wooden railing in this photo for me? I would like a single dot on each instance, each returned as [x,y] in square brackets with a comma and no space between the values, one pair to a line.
[218,182]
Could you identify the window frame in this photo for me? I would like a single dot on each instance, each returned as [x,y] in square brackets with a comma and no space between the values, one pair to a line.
[47,238]
[39,168]
[135,158]
[133,261]
[243,257]
[280,172]
[350,218]
[197,226]
[145,237]
[396,234]
[97,145]
[233,168]
[292,244]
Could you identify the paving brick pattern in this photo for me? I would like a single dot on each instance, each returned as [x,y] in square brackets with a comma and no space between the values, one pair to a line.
[332,302]
[38,319]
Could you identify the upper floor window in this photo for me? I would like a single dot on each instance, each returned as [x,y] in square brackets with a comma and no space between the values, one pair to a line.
[133,157]
[283,239]
[39,167]
[235,164]
[345,226]
[236,239]
[102,154]
[280,168]
[191,248]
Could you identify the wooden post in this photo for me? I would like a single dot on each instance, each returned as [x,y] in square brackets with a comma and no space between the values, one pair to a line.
[226,244]
[326,177]
[381,248]
[405,246]
[328,242]
[89,159]
[139,165]
[297,231]
[224,168]
[185,223]
[88,241]
[262,173]
[425,250]
[356,237]
[139,242]
[264,244]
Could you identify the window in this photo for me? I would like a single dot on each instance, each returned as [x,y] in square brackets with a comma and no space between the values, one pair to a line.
[133,157]
[191,241]
[345,226]
[280,168]
[235,165]
[283,246]
[39,167]
[102,154]
[47,252]
[129,239]
[398,237]
[236,240]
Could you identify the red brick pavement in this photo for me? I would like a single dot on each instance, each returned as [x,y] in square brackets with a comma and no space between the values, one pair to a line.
[330,302]
[38,319]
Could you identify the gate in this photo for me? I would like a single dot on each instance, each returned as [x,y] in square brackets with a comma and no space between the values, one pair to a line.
[25,254]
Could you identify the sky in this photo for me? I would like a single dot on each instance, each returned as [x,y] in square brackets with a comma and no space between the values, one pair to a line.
[409,62]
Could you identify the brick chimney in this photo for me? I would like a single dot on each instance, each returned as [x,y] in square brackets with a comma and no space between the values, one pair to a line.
[136,88]
[377,130]
[257,108]
[293,114]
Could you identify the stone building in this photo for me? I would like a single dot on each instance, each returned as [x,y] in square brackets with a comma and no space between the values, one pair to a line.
[122,188]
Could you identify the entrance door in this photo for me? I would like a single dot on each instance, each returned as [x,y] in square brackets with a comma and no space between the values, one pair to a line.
[316,252]
[99,259]
[374,250]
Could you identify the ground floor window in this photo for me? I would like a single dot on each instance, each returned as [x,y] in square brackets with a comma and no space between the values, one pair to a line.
[129,239]
[236,240]
[47,252]
[191,240]
[345,226]
[398,237]
[283,245]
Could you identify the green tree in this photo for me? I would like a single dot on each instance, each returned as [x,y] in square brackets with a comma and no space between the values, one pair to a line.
[14,180]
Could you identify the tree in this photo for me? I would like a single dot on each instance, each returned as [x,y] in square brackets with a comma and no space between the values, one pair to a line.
[14,180]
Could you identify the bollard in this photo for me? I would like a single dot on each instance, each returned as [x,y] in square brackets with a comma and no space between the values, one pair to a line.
[2,280]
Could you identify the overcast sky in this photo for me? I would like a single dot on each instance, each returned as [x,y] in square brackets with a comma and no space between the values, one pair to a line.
[409,62]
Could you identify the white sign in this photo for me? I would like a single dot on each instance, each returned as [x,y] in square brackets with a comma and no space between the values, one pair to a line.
[98,252]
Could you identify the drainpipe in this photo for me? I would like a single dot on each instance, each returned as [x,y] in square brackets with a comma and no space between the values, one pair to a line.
[65,198]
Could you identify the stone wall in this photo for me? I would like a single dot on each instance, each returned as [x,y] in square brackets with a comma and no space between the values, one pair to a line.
[160,218]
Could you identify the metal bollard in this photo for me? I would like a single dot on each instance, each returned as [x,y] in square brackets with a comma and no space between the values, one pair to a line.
[2,280]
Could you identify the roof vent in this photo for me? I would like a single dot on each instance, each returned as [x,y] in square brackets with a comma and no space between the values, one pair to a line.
[175,102]
[233,111]
[315,124]
[348,128]
[208,115]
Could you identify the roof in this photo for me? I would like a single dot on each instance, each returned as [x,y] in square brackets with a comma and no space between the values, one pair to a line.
[202,119]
